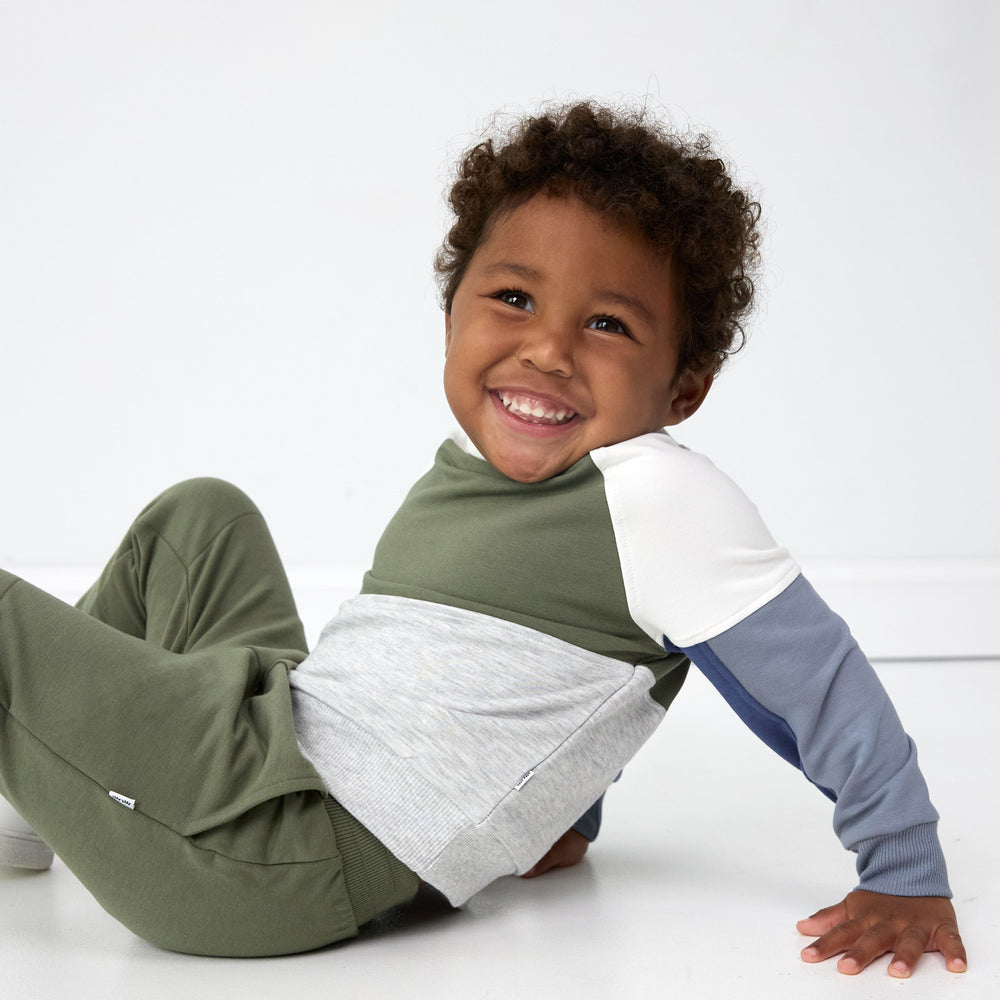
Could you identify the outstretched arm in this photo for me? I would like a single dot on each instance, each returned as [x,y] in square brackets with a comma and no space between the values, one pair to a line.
[795,675]
[710,581]
[867,925]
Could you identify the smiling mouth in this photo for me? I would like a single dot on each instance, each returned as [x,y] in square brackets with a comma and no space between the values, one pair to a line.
[534,410]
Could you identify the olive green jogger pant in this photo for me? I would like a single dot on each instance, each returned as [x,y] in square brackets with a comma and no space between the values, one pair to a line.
[147,735]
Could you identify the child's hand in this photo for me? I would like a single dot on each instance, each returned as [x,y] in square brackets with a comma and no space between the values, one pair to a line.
[568,850]
[869,924]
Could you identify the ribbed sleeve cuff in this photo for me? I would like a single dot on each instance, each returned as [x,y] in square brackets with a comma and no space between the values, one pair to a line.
[909,863]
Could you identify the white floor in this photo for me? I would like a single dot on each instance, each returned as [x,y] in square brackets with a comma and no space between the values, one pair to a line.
[711,849]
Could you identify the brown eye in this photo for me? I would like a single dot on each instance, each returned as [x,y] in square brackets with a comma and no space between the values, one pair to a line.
[518,300]
[608,324]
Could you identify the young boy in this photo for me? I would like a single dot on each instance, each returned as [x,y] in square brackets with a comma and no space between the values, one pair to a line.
[530,613]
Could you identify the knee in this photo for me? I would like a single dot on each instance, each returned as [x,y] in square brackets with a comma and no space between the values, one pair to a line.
[203,501]
[206,492]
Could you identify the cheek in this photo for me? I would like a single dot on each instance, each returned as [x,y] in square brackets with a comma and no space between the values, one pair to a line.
[457,379]
[645,402]
[449,375]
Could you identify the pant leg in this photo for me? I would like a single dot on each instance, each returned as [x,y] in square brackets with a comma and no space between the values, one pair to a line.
[198,568]
[220,839]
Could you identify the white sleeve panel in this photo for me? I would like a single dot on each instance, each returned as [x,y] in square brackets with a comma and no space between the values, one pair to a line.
[695,555]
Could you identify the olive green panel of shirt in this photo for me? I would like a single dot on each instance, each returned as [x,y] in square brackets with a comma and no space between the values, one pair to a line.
[542,555]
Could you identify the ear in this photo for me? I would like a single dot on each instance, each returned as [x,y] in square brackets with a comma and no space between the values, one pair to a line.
[690,389]
[447,333]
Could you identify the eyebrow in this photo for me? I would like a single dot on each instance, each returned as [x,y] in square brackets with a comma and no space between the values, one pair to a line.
[533,274]
[636,305]
[509,267]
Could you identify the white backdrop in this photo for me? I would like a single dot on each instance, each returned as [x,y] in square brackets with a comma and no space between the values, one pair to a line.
[217,219]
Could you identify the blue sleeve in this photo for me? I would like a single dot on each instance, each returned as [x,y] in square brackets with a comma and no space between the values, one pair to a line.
[795,675]
[589,824]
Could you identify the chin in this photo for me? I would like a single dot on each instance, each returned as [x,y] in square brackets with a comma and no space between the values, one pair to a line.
[525,473]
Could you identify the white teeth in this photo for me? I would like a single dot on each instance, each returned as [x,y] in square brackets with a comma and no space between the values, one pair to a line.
[534,410]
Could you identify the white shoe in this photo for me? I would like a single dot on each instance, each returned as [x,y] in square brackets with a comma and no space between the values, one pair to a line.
[20,846]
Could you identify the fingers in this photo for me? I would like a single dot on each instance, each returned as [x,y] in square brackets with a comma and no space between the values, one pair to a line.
[821,921]
[874,925]
[846,937]
[568,850]
[949,943]
[911,945]
[540,868]
[552,859]
[861,946]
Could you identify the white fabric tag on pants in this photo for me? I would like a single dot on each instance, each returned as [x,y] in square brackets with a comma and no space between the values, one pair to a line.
[123,799]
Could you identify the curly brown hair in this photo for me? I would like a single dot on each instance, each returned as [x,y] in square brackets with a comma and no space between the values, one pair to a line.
[674,189]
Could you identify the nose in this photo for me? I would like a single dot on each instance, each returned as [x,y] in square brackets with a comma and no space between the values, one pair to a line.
[548,347]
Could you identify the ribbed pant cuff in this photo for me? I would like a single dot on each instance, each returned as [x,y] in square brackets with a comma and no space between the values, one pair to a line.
[375,879]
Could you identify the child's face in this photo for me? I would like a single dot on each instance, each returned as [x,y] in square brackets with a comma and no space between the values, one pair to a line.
[562,338]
